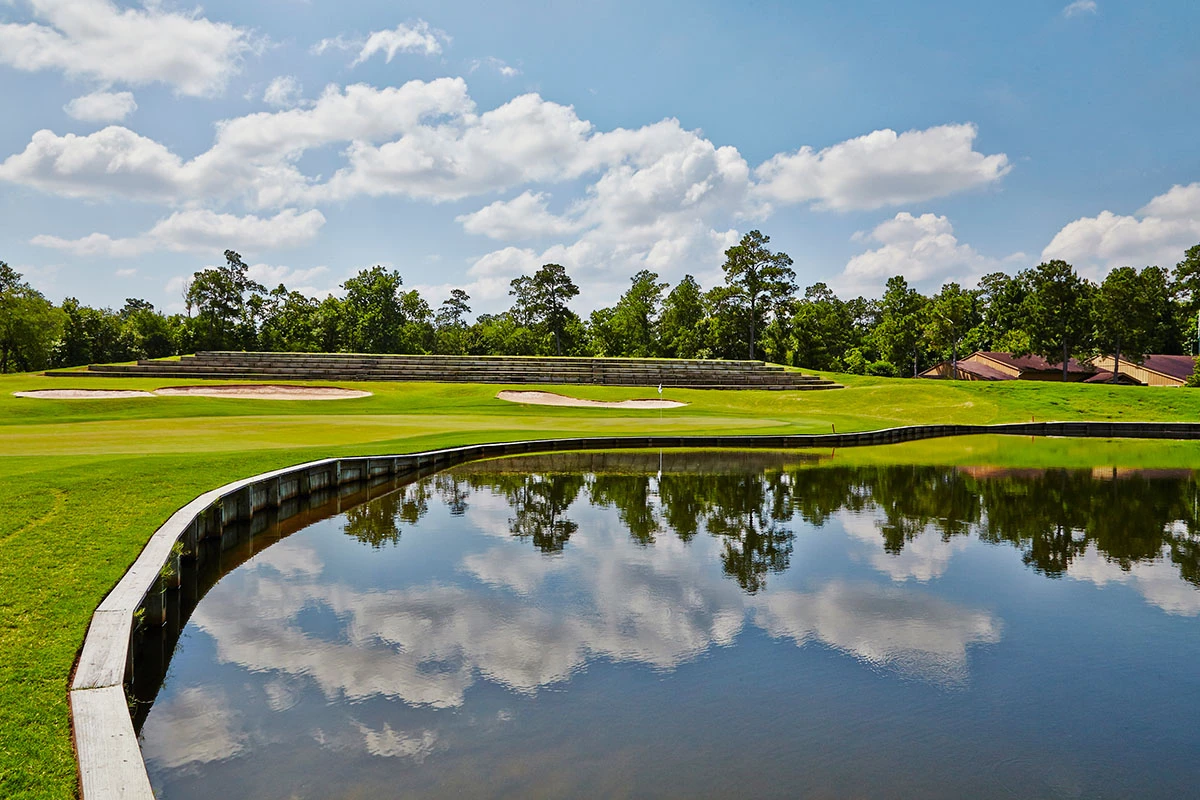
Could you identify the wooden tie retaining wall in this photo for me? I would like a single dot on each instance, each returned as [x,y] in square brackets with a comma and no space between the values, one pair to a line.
[110,760]
[677,373]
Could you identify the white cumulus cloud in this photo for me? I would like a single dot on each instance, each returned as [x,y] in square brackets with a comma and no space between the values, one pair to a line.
[102,107]
[662,202]
[528,139]
[921,248]
[1156,234]
[111,161]
[883,168]
[416,38]
[658,197]
[524,217]
[98,40]
[200,231]
[283,92]
[253,156]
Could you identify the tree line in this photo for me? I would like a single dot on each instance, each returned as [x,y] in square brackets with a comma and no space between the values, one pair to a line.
[756,312]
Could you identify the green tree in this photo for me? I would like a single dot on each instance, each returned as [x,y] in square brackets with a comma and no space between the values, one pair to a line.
[552,290]
[950,314]
[154,335]
[524,311]
[372,311]
[92,336]
[501,334]
[454,309]
[222,297]
[603,334]
[822,329]
[290,322]
[761,280]
[635,319]
[1126,311]
[1057,312]
[134,305]
[29,324]
[1001,326]
[1193,380]
[417,332]
[681,323]
[451,323]
[897,337]
[1185,290]
[327,325]
[725,323]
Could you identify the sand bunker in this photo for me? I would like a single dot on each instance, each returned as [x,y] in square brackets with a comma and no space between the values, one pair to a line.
[264,392]
[551,399]
[81,394]
[253,392]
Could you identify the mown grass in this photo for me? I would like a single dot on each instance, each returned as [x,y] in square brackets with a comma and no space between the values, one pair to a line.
[84,483]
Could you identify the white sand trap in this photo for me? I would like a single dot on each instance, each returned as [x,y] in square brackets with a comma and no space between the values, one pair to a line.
[552,399]
[264,392]
[81,394]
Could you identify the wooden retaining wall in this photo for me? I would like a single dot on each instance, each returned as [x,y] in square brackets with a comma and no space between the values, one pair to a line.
[110,760]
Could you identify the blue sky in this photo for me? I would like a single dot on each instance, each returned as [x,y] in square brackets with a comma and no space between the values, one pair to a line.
[467,143]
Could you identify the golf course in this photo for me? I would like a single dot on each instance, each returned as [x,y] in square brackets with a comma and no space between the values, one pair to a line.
[85,482]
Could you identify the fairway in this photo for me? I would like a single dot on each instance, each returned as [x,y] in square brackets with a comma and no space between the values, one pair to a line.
[84,483]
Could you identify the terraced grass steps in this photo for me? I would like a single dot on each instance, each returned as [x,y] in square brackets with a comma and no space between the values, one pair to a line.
[675,373]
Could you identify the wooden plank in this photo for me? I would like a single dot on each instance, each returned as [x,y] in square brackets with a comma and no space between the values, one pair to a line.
[110,761]
[105,650]
[128,593]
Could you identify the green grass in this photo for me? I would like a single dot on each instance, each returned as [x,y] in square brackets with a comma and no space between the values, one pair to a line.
[84,483]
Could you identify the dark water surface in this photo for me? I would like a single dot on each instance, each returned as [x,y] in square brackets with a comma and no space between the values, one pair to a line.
[736,625]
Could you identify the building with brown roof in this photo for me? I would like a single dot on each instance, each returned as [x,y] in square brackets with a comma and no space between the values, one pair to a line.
[984,365]
[1155,370]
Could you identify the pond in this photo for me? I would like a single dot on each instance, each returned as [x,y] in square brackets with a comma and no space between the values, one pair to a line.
[692,624]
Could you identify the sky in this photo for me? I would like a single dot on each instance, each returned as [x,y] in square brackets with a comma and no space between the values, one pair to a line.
[466,143]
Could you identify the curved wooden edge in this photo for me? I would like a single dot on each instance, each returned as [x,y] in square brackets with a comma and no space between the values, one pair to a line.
[110,760]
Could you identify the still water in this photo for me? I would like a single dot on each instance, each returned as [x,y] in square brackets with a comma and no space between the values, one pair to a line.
[704,625]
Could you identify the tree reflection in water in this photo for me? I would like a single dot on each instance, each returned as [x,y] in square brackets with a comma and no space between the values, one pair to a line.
[379,522]
[748,500]
[538,503]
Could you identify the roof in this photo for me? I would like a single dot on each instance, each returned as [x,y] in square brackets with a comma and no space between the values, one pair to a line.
[1106,376]
[1032,363]
[1178,367]
[983,371]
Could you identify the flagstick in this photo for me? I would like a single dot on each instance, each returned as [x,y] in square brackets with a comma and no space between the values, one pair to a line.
[658,479]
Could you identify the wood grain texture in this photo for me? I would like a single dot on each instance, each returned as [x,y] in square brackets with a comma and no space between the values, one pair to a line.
[110,761]
[105,651]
